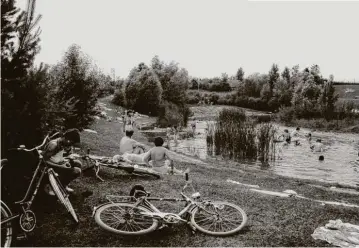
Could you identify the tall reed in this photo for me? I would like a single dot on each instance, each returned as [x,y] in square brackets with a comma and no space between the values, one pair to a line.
[237,137]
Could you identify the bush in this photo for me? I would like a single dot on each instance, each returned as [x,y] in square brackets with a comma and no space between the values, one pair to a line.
[286,114]
[193,98]
[172,114]
[119,98]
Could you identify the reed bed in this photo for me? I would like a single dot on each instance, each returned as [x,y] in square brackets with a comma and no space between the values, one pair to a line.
[237,137]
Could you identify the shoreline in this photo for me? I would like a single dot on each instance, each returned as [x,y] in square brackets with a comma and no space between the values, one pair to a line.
[273,220]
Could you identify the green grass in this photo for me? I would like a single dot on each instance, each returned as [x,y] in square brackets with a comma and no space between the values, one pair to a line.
[273,221]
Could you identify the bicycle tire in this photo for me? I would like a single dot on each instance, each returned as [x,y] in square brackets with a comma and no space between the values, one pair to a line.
[62,195]
[99,218]
[222,219]
[7,229]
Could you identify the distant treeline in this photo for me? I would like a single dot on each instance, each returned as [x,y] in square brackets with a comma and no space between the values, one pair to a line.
[345,83]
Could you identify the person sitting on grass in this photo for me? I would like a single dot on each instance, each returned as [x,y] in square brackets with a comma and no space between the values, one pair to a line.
[159,159]
[53,155]
[129,145]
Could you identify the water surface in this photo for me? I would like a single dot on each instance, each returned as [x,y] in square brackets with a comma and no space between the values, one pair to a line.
[340,165]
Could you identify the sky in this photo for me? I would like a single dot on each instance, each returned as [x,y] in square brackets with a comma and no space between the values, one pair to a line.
[207,37]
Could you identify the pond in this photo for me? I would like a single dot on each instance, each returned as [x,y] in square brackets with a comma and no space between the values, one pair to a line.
[340,165]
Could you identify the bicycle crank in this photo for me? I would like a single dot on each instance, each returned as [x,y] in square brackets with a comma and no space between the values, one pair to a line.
[27,221]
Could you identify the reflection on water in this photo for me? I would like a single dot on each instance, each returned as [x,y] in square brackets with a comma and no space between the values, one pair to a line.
[340,165]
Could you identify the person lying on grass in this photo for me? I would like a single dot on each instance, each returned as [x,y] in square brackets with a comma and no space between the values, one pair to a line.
[159,159]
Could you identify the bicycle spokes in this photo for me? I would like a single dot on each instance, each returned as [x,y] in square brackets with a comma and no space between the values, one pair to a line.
[218,217]
[126,218]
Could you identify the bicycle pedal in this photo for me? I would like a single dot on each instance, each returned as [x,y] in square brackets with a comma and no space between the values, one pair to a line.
[21,236]
[162,226]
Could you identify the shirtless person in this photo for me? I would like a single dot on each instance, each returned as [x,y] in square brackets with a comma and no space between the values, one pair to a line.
[129,145]
[318,146]
[159,159]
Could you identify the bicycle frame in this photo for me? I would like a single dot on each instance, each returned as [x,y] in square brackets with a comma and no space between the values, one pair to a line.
[42,170]
[144,201]
[156,213]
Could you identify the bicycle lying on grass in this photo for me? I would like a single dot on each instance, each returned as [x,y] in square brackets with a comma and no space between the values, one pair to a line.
[135,215]
[97,162]
[26,217]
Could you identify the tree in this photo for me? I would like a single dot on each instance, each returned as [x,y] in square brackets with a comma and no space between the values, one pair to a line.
[224,77]
[240,74]
[273,78]
[78,83]
[174,80]
[149,93]
[133,85]
[286,74]
[315,71]
[328,98]
[20,100]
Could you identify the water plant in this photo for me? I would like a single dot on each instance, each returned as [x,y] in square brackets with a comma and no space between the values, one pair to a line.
[237,137]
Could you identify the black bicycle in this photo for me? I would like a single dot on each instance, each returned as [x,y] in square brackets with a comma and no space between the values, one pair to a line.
[25,217]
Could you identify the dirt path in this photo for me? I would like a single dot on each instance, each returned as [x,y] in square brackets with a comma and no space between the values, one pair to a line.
[106,128]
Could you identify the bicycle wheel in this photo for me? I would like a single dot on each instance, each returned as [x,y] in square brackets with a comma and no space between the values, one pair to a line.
[62,195]
[219,218]
[124,218]
[6,228]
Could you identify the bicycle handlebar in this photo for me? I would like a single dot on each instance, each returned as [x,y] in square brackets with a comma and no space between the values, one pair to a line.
[47,138]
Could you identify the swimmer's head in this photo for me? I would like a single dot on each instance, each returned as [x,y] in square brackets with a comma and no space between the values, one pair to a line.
[286,130]
[298,128]
[319,140]
[321,158]
[158,141]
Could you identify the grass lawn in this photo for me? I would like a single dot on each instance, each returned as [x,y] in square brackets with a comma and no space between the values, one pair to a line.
[273,221]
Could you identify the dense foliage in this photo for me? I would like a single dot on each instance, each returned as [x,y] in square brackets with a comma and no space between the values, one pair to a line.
[36,100]
[157,90]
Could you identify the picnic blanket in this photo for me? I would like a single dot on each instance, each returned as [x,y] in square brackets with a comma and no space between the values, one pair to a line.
[338,233]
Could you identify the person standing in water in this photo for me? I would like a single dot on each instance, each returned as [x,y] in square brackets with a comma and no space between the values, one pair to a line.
[318,146]
[194,125]
[295,135]
[175,133]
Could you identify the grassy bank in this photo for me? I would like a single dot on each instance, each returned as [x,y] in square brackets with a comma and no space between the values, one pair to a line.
[273,221]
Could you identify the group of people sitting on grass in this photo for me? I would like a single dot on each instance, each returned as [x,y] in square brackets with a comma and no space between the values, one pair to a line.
[131,151]
[158,157]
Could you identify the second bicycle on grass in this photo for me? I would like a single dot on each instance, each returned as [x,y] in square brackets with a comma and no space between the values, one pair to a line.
[136,215]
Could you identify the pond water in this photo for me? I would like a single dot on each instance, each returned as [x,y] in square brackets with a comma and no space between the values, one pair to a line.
[340,165]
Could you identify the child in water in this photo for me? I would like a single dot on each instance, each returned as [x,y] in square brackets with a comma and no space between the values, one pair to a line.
[159,159]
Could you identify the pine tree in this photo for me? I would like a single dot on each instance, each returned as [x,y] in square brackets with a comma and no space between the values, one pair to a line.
[240,74]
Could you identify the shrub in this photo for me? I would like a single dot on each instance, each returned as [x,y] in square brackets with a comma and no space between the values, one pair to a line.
[286,114]
[119,97]
[172,114]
